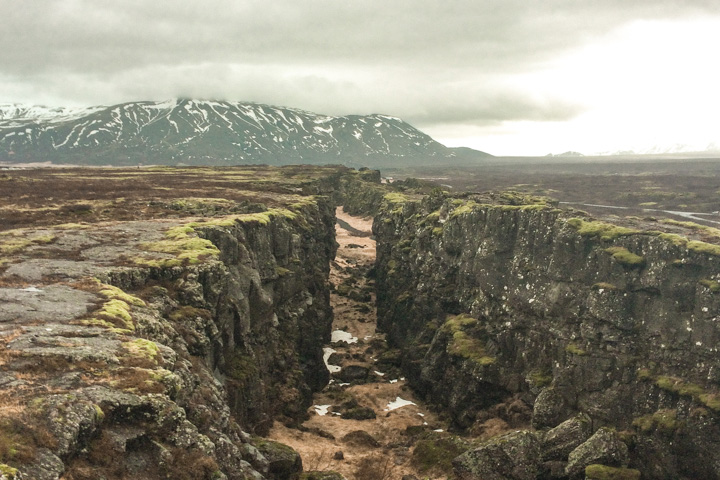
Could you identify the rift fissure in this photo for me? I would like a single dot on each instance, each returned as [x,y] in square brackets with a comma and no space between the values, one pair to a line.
[554,345]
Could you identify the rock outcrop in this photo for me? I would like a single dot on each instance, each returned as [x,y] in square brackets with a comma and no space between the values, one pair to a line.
[148,348]
[164,334]
[494,297]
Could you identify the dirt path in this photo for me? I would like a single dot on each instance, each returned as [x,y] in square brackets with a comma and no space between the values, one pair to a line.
[366,409]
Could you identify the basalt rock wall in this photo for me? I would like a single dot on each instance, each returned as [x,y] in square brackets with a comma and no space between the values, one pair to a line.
[506,298]
[173,364]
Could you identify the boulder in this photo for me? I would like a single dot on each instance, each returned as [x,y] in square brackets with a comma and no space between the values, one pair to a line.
[514,456]
[549,409]
[283,461]
[566,437]
[604,447]
[360,438]
[353,373]
[330,475]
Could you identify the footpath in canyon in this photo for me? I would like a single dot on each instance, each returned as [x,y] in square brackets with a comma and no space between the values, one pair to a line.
[366,412]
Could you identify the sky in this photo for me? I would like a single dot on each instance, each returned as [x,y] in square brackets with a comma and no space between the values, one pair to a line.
[508,77]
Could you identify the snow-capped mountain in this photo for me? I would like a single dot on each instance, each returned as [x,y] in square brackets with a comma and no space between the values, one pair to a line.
[210,132]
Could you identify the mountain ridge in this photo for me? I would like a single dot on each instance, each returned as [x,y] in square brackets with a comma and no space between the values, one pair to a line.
[188,131]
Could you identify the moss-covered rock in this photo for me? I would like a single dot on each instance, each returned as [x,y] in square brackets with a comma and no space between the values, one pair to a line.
[284,462]
[515,455]
[604,447]
[603,472]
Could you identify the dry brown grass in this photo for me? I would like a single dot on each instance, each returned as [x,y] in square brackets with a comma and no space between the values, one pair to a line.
[375,467]
[92,195]
[22,430]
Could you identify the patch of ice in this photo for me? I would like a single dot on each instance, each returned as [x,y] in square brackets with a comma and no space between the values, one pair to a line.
[30,289]
[342,336]
[321,410]
[393,381]
[421,414]
[399,402]
[379,373]
[439,430]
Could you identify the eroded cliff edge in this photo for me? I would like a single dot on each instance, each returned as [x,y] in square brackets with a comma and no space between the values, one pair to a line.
[157,341]
[506,301]
[155,321]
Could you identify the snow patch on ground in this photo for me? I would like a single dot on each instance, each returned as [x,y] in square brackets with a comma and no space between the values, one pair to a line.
[342,336]
[398,403]
[327,352]
[321,409]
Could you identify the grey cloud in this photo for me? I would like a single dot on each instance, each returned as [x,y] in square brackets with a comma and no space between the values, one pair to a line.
[400,57]
[108,36]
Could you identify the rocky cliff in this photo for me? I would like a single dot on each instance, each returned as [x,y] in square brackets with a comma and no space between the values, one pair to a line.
[154,348]
[508,308]
[156,321]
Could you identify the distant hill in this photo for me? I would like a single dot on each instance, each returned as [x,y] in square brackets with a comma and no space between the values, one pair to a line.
[195,132]
[566,154]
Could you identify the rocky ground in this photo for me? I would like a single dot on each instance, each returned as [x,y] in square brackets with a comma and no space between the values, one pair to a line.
[366,423]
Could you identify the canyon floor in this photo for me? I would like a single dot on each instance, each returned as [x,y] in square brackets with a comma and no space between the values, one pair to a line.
[380,447]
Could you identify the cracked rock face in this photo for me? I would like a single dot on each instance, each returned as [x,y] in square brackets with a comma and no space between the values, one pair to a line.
[147,348]
[491,298]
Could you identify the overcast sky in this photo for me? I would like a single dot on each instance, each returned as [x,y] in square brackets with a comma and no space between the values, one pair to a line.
[510,77]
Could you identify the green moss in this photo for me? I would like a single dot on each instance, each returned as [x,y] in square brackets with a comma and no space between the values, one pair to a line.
[281,272]
[8,472]
[395,197]
[625,257]
[573,349]
[188,312]
[603,472]
[113,314]
[99,414]
[463,209]
[111,292]
[677,240]
[692,245]
[712,285]
[9,246]
[604,231]
[681,387]
[711,400]
[433,217]
[665,421]
[141,347]
[534,207]
[702,247]
[178,233]
[463,345]
[540,377]
[436,454]
[437,231]
[241,367]
[187,250]
[644,374]
[693,226]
